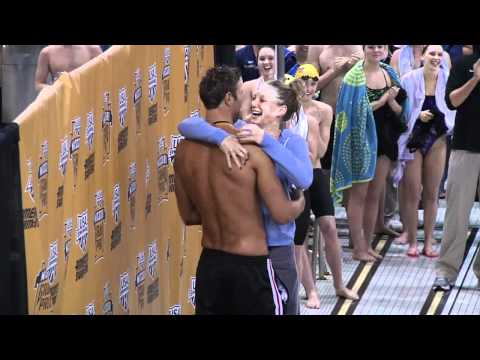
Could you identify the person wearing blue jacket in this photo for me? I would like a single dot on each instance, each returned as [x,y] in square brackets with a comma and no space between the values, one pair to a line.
[272,105]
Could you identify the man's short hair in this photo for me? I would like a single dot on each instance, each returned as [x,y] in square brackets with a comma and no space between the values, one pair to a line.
[217,82]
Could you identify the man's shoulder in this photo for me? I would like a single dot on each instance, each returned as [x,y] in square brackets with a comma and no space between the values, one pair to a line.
[195,148]
[255,153]
[316,48]
[47,50]
[94,49]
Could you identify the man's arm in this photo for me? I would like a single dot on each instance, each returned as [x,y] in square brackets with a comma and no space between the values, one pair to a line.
[326,75]
[41,74]
[187,210]
[271,190]
[341,65]
[313,55]
[455,94]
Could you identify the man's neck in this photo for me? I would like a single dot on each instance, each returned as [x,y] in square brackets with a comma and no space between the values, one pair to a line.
[219,115]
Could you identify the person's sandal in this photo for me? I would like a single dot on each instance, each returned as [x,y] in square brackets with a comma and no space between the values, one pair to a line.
[413,252]
[430,253]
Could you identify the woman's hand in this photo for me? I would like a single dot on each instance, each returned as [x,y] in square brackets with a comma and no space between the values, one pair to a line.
[232,149]
[426,116]
[392,93]
[251,133]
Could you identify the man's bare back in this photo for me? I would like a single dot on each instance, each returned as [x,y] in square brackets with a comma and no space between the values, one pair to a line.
[55,59]
[227,202]
[323,56]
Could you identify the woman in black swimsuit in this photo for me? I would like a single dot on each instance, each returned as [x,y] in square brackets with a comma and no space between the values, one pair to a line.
[385,98]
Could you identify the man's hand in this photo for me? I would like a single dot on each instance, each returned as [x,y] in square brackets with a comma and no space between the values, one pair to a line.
[476,69]
[251,133]
[234,150]
[340,64]
[354,58]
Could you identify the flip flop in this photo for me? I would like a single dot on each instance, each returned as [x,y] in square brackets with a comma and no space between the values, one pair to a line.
[430,254]
[413,252]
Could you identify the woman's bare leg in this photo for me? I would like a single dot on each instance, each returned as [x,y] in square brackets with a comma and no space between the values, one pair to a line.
[375,188]
[412,193]
[433,167]
[357,195]
[333,252]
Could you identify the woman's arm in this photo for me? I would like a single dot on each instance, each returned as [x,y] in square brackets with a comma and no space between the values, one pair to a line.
[293,159]
[380,102]
[196,128]
[325,130]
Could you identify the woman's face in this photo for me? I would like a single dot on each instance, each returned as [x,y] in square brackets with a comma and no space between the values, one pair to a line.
[375,53]
[432,56]
[266,62]
[310,88]
[266,107]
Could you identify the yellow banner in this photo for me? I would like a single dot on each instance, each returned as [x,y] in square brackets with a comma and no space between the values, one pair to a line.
[102,230]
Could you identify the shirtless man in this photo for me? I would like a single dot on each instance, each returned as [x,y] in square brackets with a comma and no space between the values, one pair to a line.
[333,62]
[55,59]
[234,273]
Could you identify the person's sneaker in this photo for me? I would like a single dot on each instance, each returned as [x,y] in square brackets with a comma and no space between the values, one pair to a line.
[395,225]
[442,284]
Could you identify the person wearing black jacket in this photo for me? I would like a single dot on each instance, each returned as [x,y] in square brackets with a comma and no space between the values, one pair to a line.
[462,94]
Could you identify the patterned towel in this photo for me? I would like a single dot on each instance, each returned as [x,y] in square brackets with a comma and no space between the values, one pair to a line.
[354,156]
